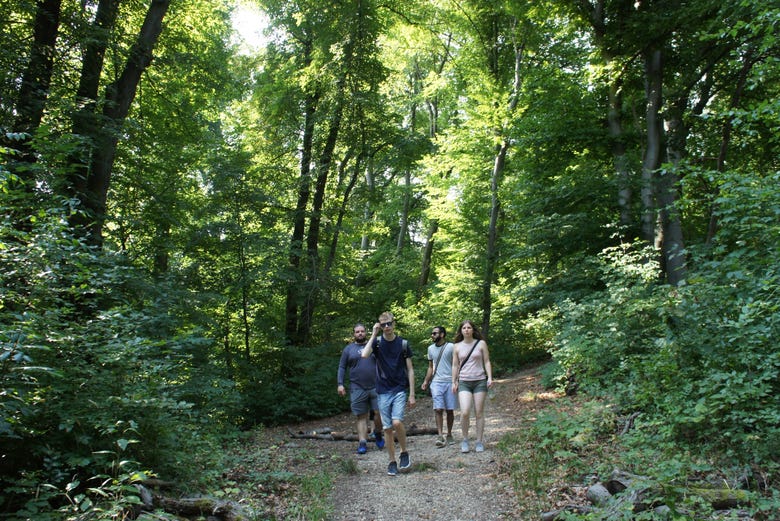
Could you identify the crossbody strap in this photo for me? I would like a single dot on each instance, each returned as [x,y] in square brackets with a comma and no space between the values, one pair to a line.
[438,359]
[468,356]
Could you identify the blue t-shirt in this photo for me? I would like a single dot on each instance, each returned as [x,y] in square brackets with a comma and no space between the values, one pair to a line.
[391,375]
[362,371]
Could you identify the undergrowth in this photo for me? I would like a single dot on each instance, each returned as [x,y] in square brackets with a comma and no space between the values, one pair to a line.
[579,441]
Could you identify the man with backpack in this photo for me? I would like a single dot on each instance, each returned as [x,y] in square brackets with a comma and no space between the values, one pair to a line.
[394,385]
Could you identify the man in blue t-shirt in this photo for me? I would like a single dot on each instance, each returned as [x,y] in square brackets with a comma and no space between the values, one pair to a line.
[362,387]
[394,384]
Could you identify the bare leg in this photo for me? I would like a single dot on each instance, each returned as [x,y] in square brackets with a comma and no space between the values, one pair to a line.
[377,422]
[361,426]
[400,432]
[439,421]
[450,421]
[464,398]
[479,414]
[390,444]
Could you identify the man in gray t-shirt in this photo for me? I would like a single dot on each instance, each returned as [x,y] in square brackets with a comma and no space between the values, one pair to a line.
[362,387]
[439,376]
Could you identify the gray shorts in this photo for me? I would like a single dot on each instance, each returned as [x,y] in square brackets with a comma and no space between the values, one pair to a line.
[472,386]
[363,401]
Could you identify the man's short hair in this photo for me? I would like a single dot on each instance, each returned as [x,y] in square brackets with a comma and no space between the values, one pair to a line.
[386,317]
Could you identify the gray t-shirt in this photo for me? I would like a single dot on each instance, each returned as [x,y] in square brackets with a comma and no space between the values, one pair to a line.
[443,373]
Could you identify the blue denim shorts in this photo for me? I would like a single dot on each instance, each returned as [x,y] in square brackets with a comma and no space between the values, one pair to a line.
[392,407]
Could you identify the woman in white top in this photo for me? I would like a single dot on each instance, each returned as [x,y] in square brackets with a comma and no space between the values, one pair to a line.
[472,376]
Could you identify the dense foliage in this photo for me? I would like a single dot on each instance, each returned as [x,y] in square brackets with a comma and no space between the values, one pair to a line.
[191,225]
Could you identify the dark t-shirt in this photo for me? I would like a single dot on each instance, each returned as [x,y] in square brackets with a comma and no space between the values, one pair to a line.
[391,376]
[362,371]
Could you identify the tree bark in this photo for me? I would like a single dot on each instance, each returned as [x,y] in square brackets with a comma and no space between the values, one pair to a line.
[329,435]
[652,160]
[492,244]
[673,246]
[403,230]
[299,222]
[425,269]
[34,89]
[313,282]
[499,164]
[86,122]
[336,232]
[119,97]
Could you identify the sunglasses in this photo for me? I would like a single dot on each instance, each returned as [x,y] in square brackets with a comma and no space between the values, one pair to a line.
[435,333]
[386,324]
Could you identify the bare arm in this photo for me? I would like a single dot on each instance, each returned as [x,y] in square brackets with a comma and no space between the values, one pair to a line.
[428,375]
[488,365]
[370,345]
[455,369]
[410,374]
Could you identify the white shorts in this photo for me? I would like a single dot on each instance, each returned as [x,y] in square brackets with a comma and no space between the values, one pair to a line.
[443,397]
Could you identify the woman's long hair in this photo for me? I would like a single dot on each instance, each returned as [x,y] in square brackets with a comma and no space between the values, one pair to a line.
[459,335]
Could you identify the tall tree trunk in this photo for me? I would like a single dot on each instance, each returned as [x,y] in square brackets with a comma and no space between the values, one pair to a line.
[619,157]
[119,97]
[313,282]
[654,138]
[368,213]
[243,279]
[673,247]
[499,163]
[293,300]
[425,270]
[334,239]
[492,243]
[86,122]
[594,12]
[34,91]
[403,228]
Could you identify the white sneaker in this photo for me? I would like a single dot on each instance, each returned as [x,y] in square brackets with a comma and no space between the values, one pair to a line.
[479,447]
[464,446]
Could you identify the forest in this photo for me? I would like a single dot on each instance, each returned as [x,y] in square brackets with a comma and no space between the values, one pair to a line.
[192,222]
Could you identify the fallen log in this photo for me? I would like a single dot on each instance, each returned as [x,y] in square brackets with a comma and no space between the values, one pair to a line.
[577,509]
[202,506]
[598,494]
[722,498]
[330,435]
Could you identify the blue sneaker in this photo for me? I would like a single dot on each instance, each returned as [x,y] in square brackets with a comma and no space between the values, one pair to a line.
[362,449]
[392,469]
[405,461]
[380,442]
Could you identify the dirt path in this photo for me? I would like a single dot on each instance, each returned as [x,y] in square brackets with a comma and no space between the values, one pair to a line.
[443,482]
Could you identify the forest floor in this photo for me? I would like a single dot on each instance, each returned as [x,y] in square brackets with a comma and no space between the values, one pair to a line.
[443,483]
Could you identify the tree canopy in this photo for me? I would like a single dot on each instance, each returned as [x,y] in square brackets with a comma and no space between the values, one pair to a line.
[190,228]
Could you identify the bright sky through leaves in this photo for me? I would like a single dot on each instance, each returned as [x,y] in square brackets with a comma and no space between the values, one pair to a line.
[249,23]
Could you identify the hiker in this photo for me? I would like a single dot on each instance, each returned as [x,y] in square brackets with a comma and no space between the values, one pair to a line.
[394,385]
[472,376]
[439,377]
[362,387]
